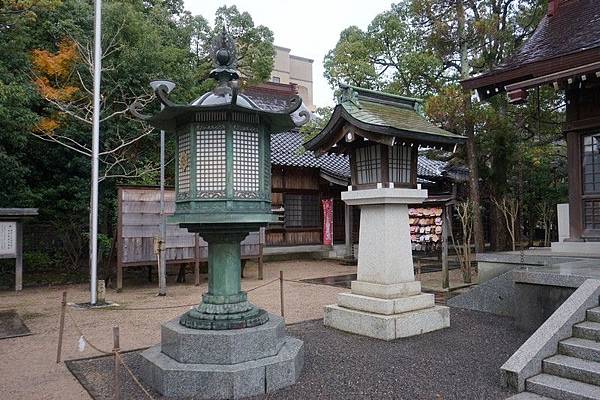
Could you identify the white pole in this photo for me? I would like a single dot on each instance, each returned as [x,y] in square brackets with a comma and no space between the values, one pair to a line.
[162,257]
[162,273]
[95,150]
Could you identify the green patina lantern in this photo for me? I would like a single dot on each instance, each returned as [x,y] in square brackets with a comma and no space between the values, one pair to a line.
[223,181]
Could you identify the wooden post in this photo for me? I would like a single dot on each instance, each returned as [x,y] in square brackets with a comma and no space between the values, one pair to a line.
[19,257]
[348,231]
[119,239]
[281,293]
[61,326]
[196,259]
[445,230]
[116,349]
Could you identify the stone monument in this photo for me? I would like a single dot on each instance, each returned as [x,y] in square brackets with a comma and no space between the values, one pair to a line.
[382,133]
[225,347]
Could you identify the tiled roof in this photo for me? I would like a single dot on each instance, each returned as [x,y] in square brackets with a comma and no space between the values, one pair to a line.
[376,108]
[428,168]
[571,31]
[287,150]
[383,118]
[574,27]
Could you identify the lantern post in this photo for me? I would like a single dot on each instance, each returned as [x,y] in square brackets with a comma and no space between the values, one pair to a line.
[382,133]
[226,347]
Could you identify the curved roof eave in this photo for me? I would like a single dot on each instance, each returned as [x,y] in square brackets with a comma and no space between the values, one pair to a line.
[165,119]
[340,114]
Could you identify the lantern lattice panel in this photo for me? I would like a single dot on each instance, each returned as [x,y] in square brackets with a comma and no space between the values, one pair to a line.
[368,164]
[211,162]
[246,162]
[400,164]
[184,163]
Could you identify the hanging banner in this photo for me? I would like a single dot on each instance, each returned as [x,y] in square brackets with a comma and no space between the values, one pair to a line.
[327,221]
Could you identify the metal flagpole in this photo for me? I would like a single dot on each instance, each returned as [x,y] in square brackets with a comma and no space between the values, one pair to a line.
[162,266]
[95,150]
[162,273]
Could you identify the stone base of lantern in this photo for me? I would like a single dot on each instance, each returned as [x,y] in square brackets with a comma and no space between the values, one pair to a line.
[387,318]
[386,302]
[222,364]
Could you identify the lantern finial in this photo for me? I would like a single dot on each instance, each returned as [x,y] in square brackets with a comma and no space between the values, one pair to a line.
[224,59]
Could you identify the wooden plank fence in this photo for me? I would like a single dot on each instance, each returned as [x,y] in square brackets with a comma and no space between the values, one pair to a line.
[138,224]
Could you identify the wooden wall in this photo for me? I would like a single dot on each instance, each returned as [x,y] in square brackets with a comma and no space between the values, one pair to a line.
[139,222]
[299,180]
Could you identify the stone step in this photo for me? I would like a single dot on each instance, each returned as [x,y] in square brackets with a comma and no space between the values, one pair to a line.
[573,368]
[528,396]
[587,330]
[556,387]
[593,314]
[581,348]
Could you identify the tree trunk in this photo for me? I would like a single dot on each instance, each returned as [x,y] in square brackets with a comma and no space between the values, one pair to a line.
[470,133]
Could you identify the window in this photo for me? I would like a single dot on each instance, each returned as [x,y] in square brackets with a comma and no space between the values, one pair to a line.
[301,210]
[276,79]
[591,164]
[400,164]
[245,160]
[211,160]
[368,164]
[591,214]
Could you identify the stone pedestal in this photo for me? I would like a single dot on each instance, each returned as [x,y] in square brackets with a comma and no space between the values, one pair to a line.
[385,301]
[222,364]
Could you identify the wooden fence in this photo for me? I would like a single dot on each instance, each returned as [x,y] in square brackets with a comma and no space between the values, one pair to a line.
[138,224]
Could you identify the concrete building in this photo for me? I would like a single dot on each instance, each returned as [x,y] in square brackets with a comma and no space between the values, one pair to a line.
[289,68]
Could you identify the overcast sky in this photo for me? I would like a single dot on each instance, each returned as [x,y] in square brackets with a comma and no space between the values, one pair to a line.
[309,27]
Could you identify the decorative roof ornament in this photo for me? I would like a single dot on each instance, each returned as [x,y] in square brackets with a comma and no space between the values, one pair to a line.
[224,59]
[348,94]
[225,96]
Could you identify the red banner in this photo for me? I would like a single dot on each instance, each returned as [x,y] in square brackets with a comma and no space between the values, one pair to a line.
[327,221]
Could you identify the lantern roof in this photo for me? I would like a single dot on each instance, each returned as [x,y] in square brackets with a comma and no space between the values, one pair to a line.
[226,96]
[380,117]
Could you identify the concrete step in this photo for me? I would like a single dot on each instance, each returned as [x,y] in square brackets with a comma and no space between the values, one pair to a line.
[587,330]
[556,387]
[593,314]
[528,396]
[573,368]
[580,348]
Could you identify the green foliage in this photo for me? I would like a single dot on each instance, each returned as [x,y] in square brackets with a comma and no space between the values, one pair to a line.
[320,118]
[142,40]
[425,47]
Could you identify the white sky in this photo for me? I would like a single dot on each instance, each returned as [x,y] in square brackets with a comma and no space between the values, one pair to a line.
[309,27]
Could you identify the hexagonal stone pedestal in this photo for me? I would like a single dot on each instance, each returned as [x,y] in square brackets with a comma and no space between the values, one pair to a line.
[227,364]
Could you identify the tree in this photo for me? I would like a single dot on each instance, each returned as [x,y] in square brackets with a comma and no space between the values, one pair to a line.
[456,39]
[45,79]
[318,121]
[390,55]
[142,41]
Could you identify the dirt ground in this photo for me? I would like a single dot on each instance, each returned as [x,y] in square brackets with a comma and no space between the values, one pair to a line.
[28,369]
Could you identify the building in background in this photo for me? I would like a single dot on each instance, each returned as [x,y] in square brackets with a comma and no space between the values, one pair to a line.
[291,69]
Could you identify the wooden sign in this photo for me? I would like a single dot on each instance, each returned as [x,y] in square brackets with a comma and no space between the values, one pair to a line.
[8,239]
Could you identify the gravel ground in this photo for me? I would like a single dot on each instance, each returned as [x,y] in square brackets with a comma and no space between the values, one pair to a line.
[461,362]
[28,368]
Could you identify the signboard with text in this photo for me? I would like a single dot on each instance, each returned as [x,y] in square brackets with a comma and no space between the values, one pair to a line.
[8,239]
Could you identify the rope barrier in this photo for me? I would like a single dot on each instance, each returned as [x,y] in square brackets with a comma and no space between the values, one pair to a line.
[78,329]
[181,305]
[263,285]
